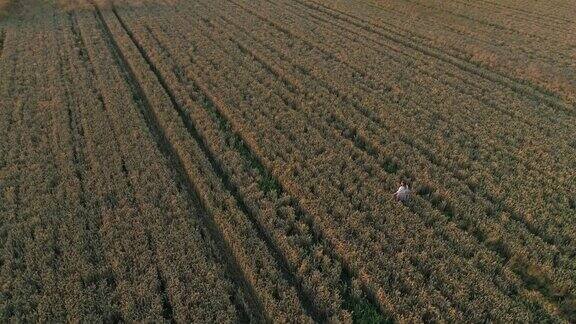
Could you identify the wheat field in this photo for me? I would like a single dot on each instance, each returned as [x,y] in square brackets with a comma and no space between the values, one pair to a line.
[218,161]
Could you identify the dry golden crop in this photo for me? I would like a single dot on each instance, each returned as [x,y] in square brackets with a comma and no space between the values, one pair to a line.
[234,161]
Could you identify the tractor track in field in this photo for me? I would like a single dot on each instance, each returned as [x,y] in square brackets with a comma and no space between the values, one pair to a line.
[237,298]
[364,112]
[2,40]
[75,126]
[365,147]
[167,308]
[480,21]
[217,167]
[431,51]
[169,152]
[250,155]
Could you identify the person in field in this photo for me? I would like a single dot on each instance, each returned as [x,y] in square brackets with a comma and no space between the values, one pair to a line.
[403,193]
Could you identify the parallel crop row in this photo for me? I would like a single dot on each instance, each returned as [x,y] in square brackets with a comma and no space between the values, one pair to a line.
[31,247]
[275,211]
[234,161]
[220,67]
[272,291]
[155,256]
[338,84]
[261,122]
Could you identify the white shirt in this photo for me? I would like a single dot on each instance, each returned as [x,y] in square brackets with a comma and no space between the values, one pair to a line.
[403,193]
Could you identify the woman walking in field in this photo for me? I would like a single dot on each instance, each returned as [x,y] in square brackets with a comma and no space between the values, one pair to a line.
[403,193]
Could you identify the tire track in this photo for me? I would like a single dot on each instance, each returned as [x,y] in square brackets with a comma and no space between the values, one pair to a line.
[2,40]
[79,158]
[218,168]
[167,309]
[387,33]
[366,113]
[164,279]
[163,143]
[258,164]
[427,194]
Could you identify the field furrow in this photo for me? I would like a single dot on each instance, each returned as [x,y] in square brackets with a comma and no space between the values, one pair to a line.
[240,161]
[35,249]
[256,277]
[548,76]
[2,39]
[371,103]
[193,253]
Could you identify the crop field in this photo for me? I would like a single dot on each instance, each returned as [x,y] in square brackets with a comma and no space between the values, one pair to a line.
[234,161]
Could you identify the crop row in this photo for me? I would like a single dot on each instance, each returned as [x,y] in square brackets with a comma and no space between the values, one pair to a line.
[552,276]
[463,34]
[271,285]
[220,66]
[290,230]
[344,89]
[31,249]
